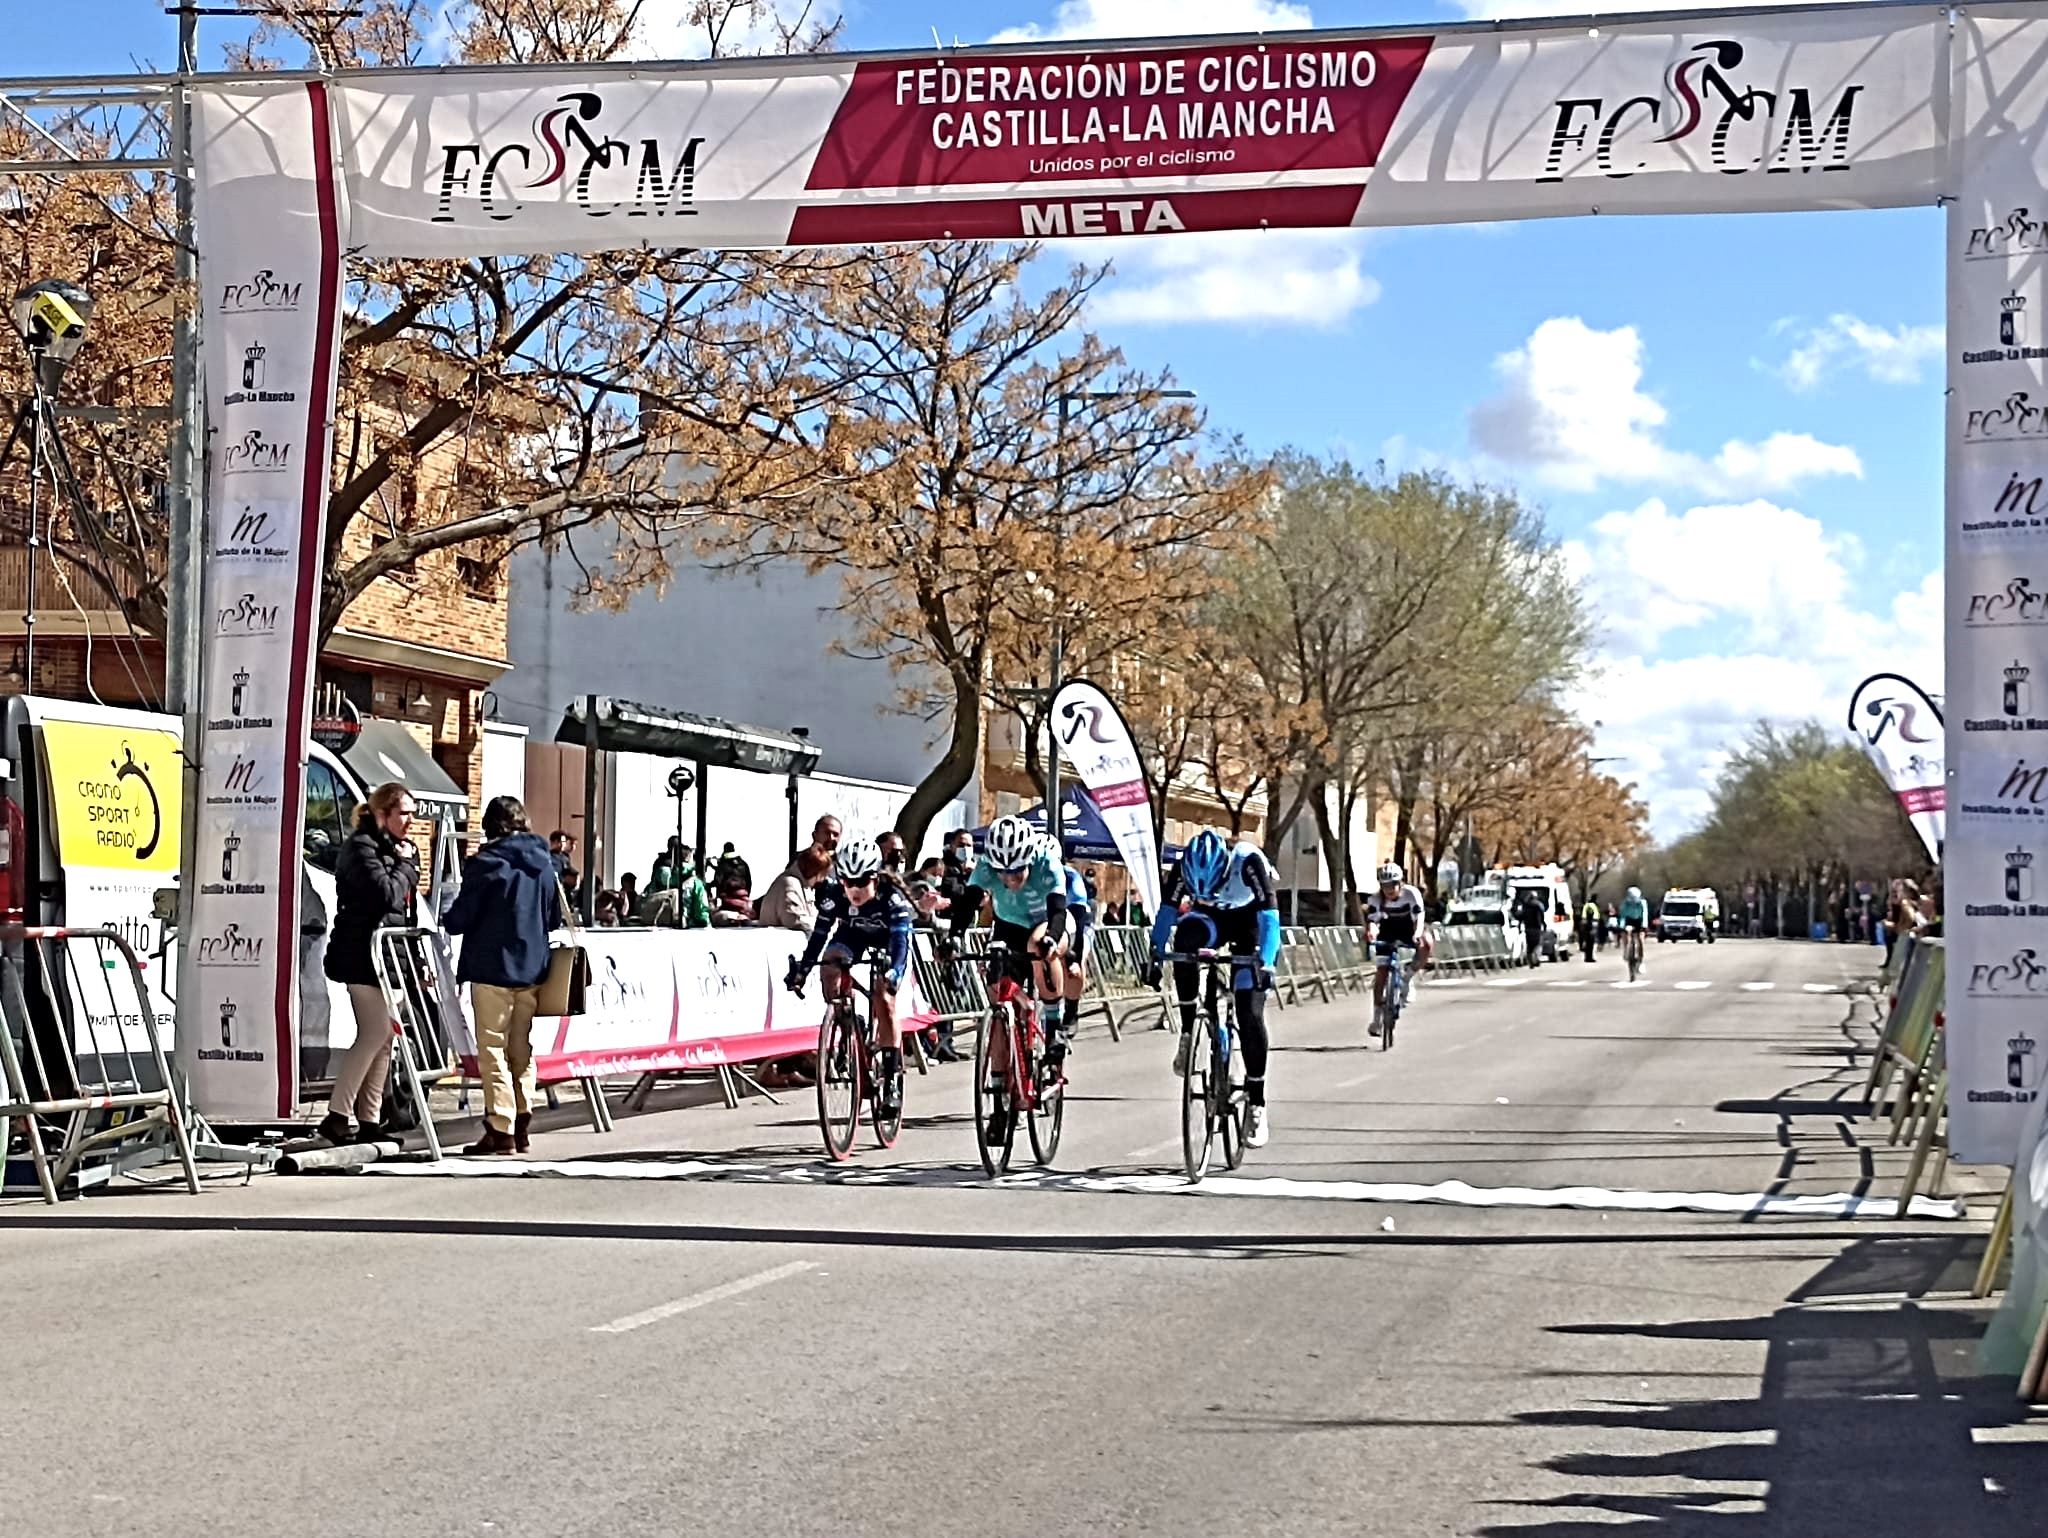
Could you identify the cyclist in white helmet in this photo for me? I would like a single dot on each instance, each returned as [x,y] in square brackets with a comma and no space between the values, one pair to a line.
[1024,891]
[1395,913]
[859,912]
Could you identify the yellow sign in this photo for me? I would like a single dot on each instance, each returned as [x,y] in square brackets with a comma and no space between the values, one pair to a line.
[114,791]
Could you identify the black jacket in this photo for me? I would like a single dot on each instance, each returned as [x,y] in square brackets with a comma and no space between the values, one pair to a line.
[374,886]
[508,906]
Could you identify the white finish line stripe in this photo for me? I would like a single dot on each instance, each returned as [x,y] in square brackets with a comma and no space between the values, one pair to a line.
[1457,1193]
[717,1294]
[1688,987]
[1758,987]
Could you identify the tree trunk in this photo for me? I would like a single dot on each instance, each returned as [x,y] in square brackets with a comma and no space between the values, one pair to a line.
[951,774]
[1404,822]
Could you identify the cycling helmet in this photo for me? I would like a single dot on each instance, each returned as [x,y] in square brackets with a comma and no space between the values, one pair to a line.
[1635,892]
[1391,874]
[1012,843]
[1205,864]
[859,860]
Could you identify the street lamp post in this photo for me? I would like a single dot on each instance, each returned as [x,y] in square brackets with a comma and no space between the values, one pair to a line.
[1059,613]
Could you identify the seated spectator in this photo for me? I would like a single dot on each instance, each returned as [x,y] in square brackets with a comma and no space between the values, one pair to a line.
[629,896]
[608,910]
[734,907]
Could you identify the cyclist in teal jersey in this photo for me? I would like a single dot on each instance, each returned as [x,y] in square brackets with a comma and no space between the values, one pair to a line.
[1025,891]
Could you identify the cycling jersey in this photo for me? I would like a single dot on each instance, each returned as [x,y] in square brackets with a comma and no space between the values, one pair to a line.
[1248,888]
[882,923]
[1635,912]
[1041,899]
[1395,918]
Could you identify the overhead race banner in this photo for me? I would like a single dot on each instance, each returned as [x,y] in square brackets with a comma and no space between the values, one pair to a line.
[1096,740]
[1901,729]
[270,289]
[1309,129]
[1997,576]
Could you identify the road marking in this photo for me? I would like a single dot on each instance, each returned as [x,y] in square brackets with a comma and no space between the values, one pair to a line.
[1692,985]
[709,1295]
[1160,1147]
[1447,982]
[1641,982]
[969,1177]
[1509,982]
[1821,987]
[1580,983]
[1758,987]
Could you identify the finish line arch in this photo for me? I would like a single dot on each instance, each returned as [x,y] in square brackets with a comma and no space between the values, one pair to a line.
[1863,106]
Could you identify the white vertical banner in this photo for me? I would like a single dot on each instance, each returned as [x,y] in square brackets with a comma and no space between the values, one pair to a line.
[1096,740]
[1901,729]
[1997,554]
[269,278]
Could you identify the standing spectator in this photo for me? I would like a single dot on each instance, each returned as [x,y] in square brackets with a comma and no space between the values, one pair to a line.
[562,850]
[676,894]
[1113,914]
[1529,912]
[666,874]
[510,903]
[730,864]
[375,879]
[1088,875]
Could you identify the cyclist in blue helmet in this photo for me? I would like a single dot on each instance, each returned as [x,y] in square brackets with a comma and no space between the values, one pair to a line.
[1224,896]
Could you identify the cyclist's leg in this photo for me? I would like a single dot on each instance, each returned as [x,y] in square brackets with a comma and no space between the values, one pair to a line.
[835,972]
[889,1042]
[1189,935]
[1241,932]
[1079,951]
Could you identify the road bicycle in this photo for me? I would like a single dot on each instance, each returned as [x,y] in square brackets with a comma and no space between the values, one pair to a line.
[1213,1107]
[1395,998]
[1012,1079]
[849,1067]
[1632,951]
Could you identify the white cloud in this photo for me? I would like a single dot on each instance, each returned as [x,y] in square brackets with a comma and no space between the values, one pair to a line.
[1574,414]
[1161,18]
[1883,355]
[1773,588]
[1278,277]
[667,30]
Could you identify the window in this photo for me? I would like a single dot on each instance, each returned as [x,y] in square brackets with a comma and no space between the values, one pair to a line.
[330,812]
[479,576]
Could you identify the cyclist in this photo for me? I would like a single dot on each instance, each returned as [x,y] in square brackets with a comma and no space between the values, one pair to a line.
[1226,897]
[1635,921]
[859,913]
[1395,913]
[1024,890]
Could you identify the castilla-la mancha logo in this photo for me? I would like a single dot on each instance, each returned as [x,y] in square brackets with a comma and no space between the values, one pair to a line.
[1707,112]
[569,155]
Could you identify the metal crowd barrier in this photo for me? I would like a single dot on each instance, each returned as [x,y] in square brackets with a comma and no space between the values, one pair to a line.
[420,993]
[79,1041]
[1479,947]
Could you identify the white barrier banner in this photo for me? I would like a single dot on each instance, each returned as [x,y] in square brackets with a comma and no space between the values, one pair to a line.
[1901,729]
[1798,110]
[269,275]
[1997,574]
[671,999]
[1095,739]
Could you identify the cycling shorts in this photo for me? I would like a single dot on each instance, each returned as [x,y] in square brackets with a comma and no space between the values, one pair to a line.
[1236,930]
[840,954]
[1638,925]
[1022,953]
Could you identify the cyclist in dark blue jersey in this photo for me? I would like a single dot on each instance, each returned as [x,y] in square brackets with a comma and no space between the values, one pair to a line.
[859,914]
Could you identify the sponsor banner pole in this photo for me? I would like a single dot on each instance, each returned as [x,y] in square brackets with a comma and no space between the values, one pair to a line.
[1097,741]
[270,290]
[1901,729]
[1996,918]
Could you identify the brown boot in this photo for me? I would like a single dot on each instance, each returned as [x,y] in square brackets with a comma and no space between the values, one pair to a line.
[493,1142]
[521,1125]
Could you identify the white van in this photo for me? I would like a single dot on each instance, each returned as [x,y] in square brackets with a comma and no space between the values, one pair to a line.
[1688,913]
[1548,885]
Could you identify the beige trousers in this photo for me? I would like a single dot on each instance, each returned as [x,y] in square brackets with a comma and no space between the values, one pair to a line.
[504,1049]
[359,1085]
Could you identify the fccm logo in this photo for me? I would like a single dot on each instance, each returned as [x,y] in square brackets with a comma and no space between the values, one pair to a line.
[2019,602]
[247,615]
[2022,976]
[230,948]
[254,454]
[567,146]
[1705,107]
[262,292]
[2019,233]
[2015,418]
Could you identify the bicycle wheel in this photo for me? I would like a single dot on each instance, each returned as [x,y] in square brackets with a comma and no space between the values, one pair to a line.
[1197,1123]
[839,1063]
[887,1128]
[1393,1014]
[1048,1108]
[995,1157]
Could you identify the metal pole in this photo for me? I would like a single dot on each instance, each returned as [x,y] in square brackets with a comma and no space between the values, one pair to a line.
[185,575]
[703,812]
[588,900]
[1052,688]
[38,408]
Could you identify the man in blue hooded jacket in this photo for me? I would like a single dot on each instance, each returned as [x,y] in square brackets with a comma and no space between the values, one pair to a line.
[509,904]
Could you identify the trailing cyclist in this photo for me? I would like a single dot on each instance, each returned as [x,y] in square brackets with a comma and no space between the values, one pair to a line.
[1395,913]
[1635,923]
[1023,887]
[1225,898]
[860,914]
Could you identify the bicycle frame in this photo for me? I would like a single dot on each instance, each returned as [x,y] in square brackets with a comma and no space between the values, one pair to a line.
[1005,993]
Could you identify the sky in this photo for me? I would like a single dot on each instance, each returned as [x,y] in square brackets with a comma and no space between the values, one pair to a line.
[1732,423]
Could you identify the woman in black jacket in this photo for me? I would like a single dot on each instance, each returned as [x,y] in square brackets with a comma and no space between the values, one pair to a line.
[375,880]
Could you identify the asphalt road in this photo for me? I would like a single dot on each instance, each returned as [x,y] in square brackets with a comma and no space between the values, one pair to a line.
[751,1347]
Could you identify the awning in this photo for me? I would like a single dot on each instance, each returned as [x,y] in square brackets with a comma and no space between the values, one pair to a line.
[626,727]
[387,751]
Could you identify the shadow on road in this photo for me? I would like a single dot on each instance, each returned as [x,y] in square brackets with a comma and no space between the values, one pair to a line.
[1864,1425]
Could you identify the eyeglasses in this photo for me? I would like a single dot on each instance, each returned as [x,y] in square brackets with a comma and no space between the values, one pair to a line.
[863,881]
